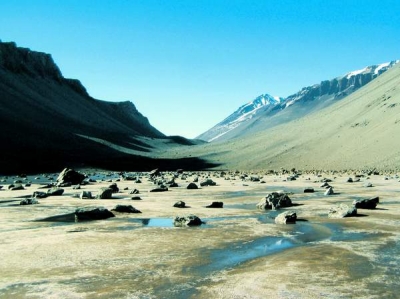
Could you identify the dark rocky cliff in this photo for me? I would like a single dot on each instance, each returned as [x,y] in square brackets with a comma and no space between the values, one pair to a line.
[49,122]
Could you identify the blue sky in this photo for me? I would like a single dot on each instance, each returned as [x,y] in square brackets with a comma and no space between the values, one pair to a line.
[186,65]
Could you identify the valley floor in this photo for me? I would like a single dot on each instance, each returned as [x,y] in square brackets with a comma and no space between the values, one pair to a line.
[238,253]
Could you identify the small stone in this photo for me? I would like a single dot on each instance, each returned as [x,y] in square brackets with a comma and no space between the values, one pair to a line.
[136,198]
[126,209]
[192,186]
[105,193]
[92,213]
[180,204]
[134,191]
[161,189]
[86,195]
[208,182]
[288,217]
[38,194]
[216,204]
[370,203]
[309,190]
[190,220]
[342,211]
[329,191]
[55,192]
[28,201]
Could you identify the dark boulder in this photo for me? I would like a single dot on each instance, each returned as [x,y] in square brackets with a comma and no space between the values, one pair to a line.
[134,191]
[86,195]
[216,204]
[208,182]
[38,194]
[180,204]
[55,192]
[28,201]
[329,191]
[160,189]
[70,176]
[92,213]
[154,172]
[105,193]
[190,220]
[288,217]
[309,190]
[192,186]
[114,188]
[275,201]
[342,211]
[366,203]
[136,198]
[15,187]
[125,209]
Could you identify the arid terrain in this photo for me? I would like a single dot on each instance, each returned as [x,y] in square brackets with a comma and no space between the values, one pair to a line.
[239,252]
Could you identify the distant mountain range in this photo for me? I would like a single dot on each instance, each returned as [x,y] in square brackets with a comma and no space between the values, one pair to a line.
[356,133]
[266,111]
[49,122]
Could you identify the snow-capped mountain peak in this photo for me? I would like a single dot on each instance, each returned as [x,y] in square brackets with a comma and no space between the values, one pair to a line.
[241,115]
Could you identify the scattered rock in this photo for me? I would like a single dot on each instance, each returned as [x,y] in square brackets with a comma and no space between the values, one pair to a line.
[309,190]
[208,182]
[136,198]
[366,203]
[86,195]
[134,191]
[342,211]
[190,220]
[15,187]
[38,194]
[70,176]
[173,185]
[55,191]
[180,204]
[274,201]
[160,189]
[154,172]
[329,191]
[367,184]
[92,213]
[288,217]
[216,204]
[349,180]
[114,188]
[126,209]
[325,185]
[28,201]
[192,186]
[76,187]
[105,193]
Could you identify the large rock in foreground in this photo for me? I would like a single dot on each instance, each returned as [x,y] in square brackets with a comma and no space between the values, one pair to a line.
[288,217]
[70,176]
[369,203]
[190,220]
[274,201]
[342,211]
[92,213]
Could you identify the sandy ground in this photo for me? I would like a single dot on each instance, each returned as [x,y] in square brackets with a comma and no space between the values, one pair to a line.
[239,253]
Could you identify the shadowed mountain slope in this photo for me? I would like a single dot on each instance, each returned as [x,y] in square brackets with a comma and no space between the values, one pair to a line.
[360,131]
[49,121]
